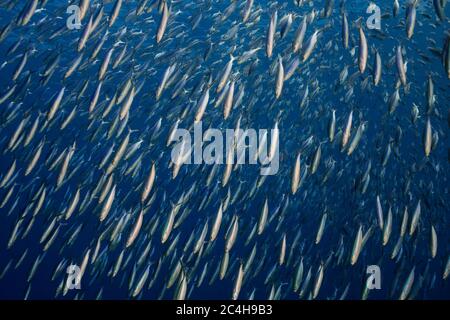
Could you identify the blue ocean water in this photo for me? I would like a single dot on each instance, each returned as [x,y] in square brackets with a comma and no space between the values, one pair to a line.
[406,178]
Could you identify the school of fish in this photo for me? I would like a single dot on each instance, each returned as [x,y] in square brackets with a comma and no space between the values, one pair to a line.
[87,117]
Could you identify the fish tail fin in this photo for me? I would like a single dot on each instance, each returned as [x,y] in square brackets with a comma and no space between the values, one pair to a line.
[358,23]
